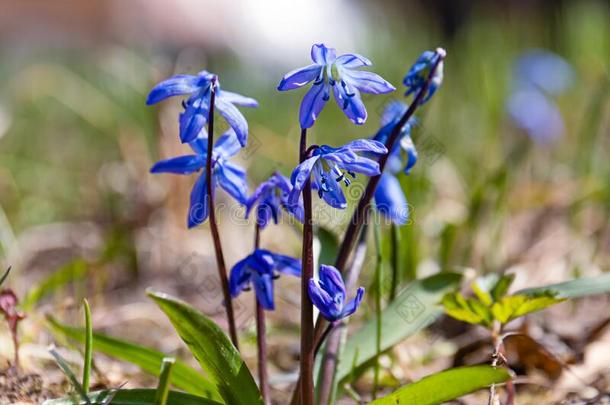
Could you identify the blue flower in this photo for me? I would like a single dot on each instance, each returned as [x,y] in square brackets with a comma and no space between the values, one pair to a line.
[328,164]
[329,71]
[260,269]
[390,200]
[197,106]
[328,295]
[536,114]
[403,153]
[418,74]
[545,70]
[229,176]
[271,195]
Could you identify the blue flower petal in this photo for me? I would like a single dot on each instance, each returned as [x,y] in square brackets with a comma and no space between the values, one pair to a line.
[240,277]
[199,208]
[174,86]
[331,193]
[348,99]
[352,60]
[313,103]
[237,99]
[192,121]
[234,118]
[299,177]
[200,144]
[390,199]
[263,287]
[227,145]
[406,143]
[299,77]
[365,145]
[232,179]
[353,305]
[323,55]
[287,265]
[179,165]
[392,112]
[352,162]
[332,282]
[367,82]
[323,301]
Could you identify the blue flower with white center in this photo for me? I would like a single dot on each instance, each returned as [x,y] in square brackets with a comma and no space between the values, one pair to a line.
[260,269]
[271,196]
[329,71]
[197,106]
[227,175]
[328,295]
[403,153]
[418,74]
[390,200]
[329,165]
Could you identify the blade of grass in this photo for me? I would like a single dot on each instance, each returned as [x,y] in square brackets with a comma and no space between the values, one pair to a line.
[88,346]
[65,368]
[163,386]
[378,270]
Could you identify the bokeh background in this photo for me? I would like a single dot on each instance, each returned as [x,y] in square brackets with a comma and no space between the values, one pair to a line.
[513,174]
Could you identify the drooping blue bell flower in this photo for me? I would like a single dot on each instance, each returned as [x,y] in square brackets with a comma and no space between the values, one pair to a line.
[260,269]
[390,200]
[339,74]
[403,155]
[329,167]
[270,197]
[329,296]
[229,176]
[418,74]
[197,106]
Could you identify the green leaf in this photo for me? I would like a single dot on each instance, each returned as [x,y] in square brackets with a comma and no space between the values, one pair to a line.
[212,349]
[163,385]
[445,386]
[581,287]
[482,293]
[65,368]
[140,396]
[414,308]
[149,360]
[458,307]
[88,346]
[501,288]
[514,306]
[70,272]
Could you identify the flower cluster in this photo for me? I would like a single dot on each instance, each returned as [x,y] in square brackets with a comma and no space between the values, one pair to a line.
[417,76]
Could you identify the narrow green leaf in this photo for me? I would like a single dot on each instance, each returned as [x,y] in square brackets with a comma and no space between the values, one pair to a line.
[70,272]
[414,308]
[445,386]
[65,368]
[578,288]
[141,396]
[163,385]
[212,349]
[88,346]
[148,359]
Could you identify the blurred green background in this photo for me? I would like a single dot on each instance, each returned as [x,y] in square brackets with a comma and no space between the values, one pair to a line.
[76,138]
